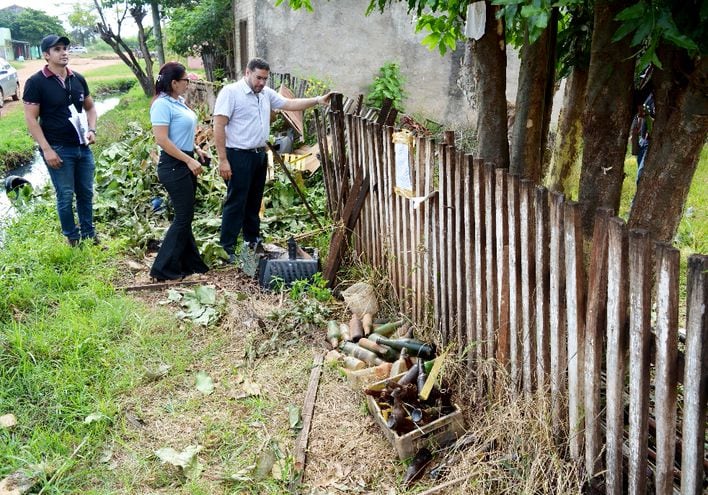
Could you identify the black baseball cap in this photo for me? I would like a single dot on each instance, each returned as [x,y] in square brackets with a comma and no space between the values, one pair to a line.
[51,40]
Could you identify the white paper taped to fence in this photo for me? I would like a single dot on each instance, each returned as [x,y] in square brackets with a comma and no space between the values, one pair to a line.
[403,145]
[476,19]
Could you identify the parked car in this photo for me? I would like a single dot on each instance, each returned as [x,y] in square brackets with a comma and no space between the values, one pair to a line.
[9,85]
[77,49]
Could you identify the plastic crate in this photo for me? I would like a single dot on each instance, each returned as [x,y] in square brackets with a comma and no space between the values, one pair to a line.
[286,270]
[442,432]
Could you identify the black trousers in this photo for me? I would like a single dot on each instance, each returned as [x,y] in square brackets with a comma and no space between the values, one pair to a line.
[244,194]
[178,255]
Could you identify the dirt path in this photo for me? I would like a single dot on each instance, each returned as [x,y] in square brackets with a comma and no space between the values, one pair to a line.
[76,63]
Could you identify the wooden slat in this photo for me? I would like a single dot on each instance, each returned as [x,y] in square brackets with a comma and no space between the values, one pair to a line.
[339,176]
[462,252]
[502,266]
[480,261]
[450,327]
[515,301]
[542,241]
[375,241]
[380,226]
[490,263]
[389,174]
[695,382]
[526,224]
[666,370]
[443,273]
[308,409]
[470,262]
[321,129]
[639,334]
[557,319]
[417,234]
[404,252]
[575,318]
[383,192]
[350,217]
[616,354]
[595,319]
[398,249]
[428,233]
[354,160]
[435,239]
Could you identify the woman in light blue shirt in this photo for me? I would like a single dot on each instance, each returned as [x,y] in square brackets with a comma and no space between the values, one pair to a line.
[174,125]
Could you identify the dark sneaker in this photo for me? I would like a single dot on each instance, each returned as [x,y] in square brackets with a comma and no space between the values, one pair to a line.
[72,242]
[231,260]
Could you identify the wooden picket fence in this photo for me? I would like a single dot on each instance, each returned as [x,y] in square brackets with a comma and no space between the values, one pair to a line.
[496,267]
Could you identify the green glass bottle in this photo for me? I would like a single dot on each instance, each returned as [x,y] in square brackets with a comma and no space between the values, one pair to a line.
[385,352]
[415,348]
[351,349]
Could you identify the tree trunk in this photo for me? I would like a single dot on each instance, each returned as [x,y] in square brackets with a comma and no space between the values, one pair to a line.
[534,100]
[157,31]
[565,163]
[608,114]
[138,13]
[675,143]
[485,59]
[123,51]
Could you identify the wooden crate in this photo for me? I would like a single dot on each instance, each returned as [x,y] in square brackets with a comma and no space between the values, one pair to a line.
[359,379]
[439,433]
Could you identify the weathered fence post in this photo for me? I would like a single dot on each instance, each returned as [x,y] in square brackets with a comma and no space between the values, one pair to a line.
[428,231]
[557,317]
[695,382]
[528,284]
[443,274]
[575,313]
[515,300]
[491,283]
[543,357]
[639,334]
[480,262]
[594,329]
[449,247]
[502,268]
[617,339]
[470,263]
[666,385]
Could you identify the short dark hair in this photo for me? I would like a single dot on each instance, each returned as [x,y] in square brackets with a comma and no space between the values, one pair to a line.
[258,63]
[170,71]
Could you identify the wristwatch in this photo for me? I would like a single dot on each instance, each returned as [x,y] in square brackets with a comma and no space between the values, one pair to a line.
[94,131]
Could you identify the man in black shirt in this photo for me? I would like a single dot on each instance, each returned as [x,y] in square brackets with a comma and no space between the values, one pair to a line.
[61,117]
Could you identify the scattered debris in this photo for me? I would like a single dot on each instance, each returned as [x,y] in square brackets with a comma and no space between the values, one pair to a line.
[187,460]
[204,383]
[308,411]
[8,421]
[18,483]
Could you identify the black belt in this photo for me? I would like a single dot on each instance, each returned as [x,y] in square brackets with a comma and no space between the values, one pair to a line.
[252,150]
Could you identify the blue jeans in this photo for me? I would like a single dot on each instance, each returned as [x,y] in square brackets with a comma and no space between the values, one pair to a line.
[74,177]
[641,157]
[244,193]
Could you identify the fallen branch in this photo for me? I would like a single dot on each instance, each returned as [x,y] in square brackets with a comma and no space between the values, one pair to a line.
[160,285]
[307,413]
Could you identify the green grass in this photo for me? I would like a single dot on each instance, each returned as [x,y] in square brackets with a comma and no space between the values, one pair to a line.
[133,107]
[70,346]
[693,230]
[16,146]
